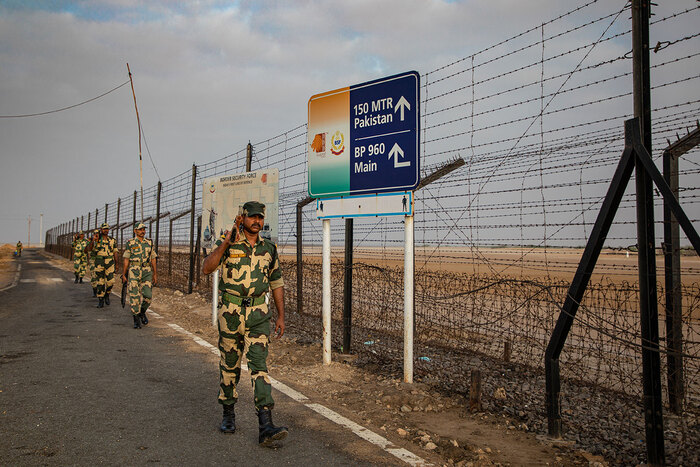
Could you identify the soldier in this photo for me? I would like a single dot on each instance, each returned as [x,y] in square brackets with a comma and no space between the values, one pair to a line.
[80,244]
[91,263]
[18,249]
[105,248]
[140,265]
[250,269]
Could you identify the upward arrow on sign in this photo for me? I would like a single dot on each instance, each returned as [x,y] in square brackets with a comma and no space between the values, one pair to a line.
[401,105]
[395,152]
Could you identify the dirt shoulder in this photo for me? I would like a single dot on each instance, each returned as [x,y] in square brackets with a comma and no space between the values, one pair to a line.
[437,426]
[8,265]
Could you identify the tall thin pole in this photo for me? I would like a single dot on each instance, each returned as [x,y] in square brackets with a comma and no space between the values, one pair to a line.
[41,228]
[138,121]
[649,315]
[29,230]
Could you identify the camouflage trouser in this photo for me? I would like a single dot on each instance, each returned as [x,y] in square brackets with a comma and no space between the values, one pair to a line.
[104,270]
[242,328]
[140,288]
[80,264]
[93,274]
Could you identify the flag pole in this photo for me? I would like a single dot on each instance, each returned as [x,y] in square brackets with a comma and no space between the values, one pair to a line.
[138,121]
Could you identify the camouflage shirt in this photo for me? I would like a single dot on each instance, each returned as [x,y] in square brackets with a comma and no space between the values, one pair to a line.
[79,246]
[140,253]
[105,246]
[250,271]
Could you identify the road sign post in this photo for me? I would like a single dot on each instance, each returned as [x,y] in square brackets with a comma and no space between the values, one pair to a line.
[364,160]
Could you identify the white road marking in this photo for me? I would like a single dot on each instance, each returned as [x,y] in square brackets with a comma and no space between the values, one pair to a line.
[15,281]
[27,281]
[364,433]
[56,279]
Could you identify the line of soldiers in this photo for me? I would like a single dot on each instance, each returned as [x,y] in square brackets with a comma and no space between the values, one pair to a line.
[99,255]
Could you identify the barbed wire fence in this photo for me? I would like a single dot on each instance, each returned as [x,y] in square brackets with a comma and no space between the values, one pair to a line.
[538,120]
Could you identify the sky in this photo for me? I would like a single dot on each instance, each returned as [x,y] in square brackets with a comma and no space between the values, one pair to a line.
[208,75]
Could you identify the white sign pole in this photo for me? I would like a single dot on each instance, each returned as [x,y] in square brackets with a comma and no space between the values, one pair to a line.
[214,297]
[408,301]
[326,291]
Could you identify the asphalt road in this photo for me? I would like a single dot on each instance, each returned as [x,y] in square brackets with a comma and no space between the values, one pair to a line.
[80,386]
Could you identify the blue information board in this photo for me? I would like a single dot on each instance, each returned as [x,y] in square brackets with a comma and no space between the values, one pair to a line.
[365,138]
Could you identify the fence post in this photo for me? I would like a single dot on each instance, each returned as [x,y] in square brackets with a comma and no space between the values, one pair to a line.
[160,186]
[170,252]
[300,263]
[194,195]
[198,247]
[119,210]
[97,212]
[248,157]
[106,209]
[347,287]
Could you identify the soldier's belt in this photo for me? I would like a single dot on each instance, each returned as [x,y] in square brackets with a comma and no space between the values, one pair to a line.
[242,301]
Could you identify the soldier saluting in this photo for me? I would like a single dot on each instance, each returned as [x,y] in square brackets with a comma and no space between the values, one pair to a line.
[105,248]
[80,244]
[140,266]
[250,268]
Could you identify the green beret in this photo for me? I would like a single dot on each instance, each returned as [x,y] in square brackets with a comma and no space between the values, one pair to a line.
[104,225]
[140,225]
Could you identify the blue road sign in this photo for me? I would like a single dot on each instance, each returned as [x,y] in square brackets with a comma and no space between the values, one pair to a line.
[365,138]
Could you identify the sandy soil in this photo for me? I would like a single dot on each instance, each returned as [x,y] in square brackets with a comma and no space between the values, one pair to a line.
[438,426]
[8,266]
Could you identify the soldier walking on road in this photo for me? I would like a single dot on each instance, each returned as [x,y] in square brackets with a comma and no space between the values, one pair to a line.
[18,249]
[139,273]
[80,244]
[91,263]
[105,248]
[250,269]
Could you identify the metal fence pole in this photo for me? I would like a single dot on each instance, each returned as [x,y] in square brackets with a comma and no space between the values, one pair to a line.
[194,196]
[160,186]
[97,212]
[651,360]
[106,210]
[300,263]
[248,157]
[197,248]
[170,252]
[119,210]
[347,287]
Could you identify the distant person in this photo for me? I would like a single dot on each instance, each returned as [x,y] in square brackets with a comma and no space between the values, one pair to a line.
[250,269]
[18,249]
[139,273]
[91,263]
[80,258]
[105,248]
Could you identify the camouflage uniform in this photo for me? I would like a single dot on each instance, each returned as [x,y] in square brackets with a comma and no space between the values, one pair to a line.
[18,249]
[104,264]
[249,272]
[140,253]
[79,256]
[91,267]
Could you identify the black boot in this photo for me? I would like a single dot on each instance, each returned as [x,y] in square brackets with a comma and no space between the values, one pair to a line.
[107,298]
[101,302]
[268,431]
[228,423]
[144,318]
[81,280]
[137,323]
[94,291]
[76,279]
